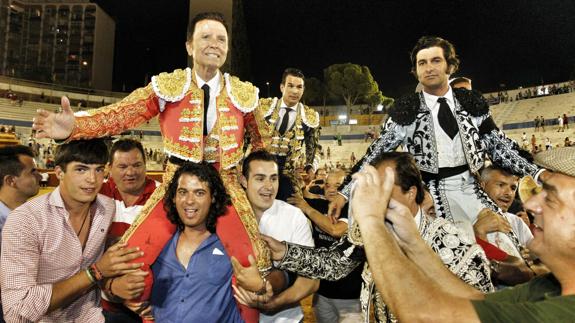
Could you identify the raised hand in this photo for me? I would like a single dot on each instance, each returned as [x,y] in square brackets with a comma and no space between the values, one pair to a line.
[247,277]
[277,248]
[489,221]
[252,299]
[334,208]
[54,125]
[298,201]
[371,194]
[128,286]
[402,223]
[115,261]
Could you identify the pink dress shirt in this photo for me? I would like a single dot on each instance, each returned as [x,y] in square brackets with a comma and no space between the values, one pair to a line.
[40,248]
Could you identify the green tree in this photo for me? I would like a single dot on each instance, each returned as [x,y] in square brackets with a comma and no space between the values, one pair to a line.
[314,93]
[352,82]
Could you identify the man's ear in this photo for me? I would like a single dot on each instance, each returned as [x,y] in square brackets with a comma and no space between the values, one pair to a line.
[59,172]
[412,193]
[189,47]
[244,182]
[8,180]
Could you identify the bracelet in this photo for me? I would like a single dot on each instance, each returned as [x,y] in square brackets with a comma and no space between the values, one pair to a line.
[262,290]
[89,274]
[109,289]
[96,273]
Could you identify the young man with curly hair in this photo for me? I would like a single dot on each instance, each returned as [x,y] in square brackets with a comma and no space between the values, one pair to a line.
[193,273]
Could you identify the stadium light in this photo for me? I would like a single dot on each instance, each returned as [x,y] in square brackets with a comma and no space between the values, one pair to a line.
[342,117]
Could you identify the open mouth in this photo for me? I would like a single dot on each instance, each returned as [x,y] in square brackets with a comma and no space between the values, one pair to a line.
[89,190]
[213,55]
[189,212]
[504,201]
[266,196]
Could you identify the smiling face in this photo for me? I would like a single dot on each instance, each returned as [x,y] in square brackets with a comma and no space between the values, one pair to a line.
[193,201]
[554,213]
[261,185]
[432,70]
[501,188]
[128,169]
[292,90]
[209,44]
[79,182]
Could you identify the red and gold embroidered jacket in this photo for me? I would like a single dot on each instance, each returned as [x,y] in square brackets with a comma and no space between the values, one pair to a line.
[179,102]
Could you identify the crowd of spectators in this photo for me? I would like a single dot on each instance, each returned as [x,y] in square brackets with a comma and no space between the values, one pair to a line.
[532,92]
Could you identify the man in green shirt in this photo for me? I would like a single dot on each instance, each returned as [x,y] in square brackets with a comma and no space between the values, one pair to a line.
[417,286]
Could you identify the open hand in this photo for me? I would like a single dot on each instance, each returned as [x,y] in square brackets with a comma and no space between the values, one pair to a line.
[54,125]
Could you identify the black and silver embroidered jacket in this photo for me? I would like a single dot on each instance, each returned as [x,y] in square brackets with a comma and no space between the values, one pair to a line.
[410,124]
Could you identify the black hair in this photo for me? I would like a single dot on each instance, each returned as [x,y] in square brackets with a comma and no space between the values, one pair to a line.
[10,164]
[433,41]
[207,174]
[307,168]
[407,174]
[293,72]
[92,151]
[263,155]
[204,16]
[126,145]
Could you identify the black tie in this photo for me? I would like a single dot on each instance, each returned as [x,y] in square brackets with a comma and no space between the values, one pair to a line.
[285,121]
[446,119]
[206,89]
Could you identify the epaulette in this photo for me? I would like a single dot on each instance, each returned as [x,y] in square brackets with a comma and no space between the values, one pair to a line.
[310,117]
[172,87]
[267,105]
[472,102]
[404,110]
[244,95]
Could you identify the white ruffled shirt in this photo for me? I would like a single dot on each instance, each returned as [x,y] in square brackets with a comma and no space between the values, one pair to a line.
[449,151]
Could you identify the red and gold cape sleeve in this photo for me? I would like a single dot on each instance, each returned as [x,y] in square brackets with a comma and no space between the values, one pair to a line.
[137,108]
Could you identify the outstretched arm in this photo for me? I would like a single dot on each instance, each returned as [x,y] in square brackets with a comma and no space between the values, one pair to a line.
[137,108]
[332,263]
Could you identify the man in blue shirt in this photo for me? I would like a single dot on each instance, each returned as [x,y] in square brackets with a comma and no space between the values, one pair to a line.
[193,274]
[19,181]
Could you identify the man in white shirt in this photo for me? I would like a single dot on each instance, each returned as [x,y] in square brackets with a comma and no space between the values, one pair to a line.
[519,266]
[283,222]
[501,186]
[449,132]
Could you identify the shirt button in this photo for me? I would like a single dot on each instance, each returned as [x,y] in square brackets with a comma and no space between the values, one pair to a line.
[182,300]
[187,275]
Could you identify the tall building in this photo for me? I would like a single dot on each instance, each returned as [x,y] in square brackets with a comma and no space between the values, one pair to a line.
[67,42]
[238,62]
